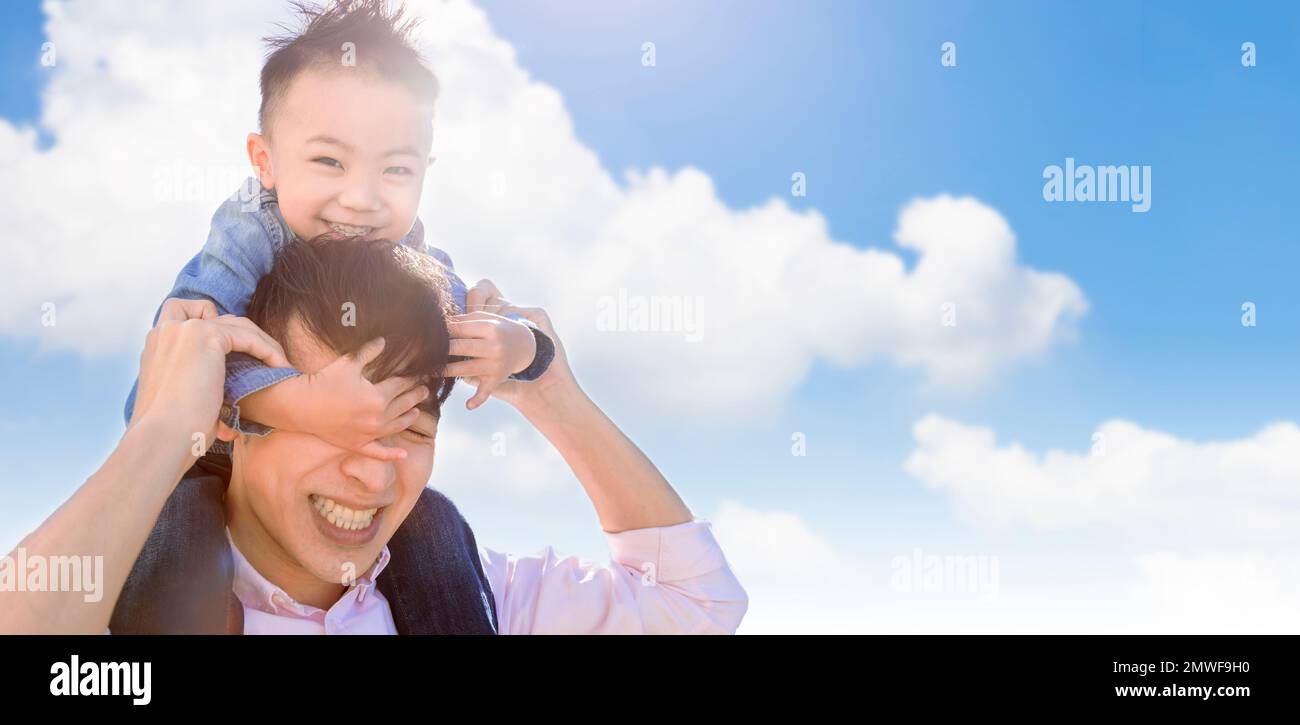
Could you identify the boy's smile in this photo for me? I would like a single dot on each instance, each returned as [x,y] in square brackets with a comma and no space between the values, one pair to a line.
[346,152]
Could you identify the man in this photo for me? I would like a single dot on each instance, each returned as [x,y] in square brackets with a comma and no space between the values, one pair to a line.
[309,524]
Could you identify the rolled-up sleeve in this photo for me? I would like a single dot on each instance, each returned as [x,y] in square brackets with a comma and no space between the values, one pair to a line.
[662,580]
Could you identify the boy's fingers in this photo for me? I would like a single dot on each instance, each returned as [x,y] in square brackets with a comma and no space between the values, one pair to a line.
[475,324]
[466,369]
[408,400]
[379,451]
[468,347]
[400,423]
[393,387]
[535,315]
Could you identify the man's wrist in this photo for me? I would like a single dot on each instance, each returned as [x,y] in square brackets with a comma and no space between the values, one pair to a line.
[564,400]
[167,438]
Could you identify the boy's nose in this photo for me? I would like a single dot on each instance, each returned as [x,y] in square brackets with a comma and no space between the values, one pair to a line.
[362,196]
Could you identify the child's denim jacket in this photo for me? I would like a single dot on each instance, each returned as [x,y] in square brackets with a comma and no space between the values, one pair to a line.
[247,231]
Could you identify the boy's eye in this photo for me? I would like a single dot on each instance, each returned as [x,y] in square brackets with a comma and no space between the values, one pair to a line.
[328,161]
[401,170]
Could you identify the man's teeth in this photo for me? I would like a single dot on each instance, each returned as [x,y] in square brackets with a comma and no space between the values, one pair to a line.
[342,516]
[349,230]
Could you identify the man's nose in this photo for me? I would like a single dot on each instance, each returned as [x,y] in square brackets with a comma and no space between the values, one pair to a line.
[375,475]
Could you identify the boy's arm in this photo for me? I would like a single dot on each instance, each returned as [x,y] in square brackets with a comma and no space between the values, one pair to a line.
[239,250]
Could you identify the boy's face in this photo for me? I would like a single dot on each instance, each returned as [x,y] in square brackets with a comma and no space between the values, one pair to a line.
[346,152]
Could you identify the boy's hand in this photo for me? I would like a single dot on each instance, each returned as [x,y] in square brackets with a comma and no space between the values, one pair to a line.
[347,410]
[555,386]
[497,347]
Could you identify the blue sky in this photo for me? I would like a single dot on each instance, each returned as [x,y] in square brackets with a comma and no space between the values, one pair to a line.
[854,96]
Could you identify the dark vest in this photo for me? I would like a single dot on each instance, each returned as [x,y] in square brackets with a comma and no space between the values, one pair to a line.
[182,581]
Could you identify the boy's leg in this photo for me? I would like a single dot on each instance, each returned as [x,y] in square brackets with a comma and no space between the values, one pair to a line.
[434,582]
[180,583]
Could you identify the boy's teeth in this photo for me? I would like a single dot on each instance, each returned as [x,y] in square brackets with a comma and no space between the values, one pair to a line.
[342,516]
[349,230]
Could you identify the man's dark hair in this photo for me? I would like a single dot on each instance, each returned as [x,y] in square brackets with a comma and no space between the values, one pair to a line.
[380,35]
[394,292]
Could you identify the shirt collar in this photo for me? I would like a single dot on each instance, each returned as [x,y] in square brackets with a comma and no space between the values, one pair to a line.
[256,591]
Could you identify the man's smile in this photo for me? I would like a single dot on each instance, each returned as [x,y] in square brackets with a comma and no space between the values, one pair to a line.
[345,524]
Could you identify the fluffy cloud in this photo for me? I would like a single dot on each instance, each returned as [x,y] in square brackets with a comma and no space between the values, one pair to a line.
[1151,484]
[797,581]
[498,457]
[149,105]
[1220,593]
[1213,528]
[772,543]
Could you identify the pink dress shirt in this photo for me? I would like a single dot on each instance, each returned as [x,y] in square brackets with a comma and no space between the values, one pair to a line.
[662,580]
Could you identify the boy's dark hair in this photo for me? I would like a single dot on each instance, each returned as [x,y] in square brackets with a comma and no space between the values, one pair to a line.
[394,292]
[380,36]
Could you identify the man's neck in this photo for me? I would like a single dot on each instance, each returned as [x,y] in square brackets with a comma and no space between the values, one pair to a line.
[272,562]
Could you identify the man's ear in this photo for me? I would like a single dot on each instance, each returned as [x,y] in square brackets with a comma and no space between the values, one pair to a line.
[259,155]
[225,432]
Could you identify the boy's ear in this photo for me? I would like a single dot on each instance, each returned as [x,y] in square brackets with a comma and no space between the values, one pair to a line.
[259,155]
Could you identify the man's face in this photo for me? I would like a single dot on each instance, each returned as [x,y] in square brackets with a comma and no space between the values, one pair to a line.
[346,152]
[284,486]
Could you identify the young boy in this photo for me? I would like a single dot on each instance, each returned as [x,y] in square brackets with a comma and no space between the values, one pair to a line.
[346,130]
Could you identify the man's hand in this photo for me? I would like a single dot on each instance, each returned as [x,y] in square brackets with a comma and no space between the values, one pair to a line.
[183,366]
[345,409]
[498,347]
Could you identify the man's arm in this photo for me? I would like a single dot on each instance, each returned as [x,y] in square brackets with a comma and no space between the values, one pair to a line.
[627,490]
[112,513]
[660,580]
[668,574]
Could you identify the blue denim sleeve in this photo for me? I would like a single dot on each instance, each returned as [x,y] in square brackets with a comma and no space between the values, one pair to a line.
[545,346]
[240,247]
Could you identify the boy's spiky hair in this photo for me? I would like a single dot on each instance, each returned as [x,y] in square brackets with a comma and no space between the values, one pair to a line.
[380,36]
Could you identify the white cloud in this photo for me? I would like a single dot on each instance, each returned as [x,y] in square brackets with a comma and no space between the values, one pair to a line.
[498,456]
[1220,521]
[140,96]
[767,544]
[1150,484]
[1220,593]
[797,581]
